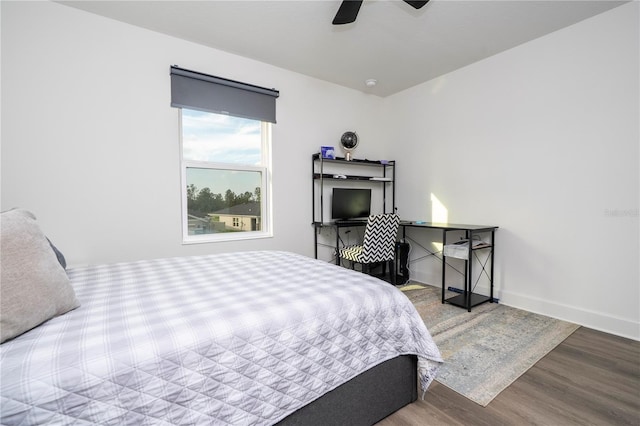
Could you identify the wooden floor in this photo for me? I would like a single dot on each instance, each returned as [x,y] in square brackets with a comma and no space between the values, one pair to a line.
[592,378]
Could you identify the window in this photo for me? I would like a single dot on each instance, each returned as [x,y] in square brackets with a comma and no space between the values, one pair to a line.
[225,179]
[226,156]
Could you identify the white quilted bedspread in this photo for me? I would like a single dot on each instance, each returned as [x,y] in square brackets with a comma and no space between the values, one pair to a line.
[238,339]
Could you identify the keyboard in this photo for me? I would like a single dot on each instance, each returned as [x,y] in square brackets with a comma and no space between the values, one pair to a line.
[350,222]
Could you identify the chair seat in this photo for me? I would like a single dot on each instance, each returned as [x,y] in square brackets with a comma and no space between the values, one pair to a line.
[352,253]
[379,241]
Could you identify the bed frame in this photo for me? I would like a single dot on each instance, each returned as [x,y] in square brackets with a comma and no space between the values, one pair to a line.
[364,400]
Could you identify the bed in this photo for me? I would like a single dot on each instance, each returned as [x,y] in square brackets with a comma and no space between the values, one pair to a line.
[244,338]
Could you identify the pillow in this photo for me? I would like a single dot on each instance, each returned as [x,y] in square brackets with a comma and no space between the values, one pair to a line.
[59,255]
[34,286]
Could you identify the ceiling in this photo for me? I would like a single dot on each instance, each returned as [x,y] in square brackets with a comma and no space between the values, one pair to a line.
[390,41]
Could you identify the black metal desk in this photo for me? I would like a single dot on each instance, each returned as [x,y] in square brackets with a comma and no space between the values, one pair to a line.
[468,298]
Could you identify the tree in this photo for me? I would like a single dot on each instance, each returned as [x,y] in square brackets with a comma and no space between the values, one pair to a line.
[192,191]
[204,201]
[230,198]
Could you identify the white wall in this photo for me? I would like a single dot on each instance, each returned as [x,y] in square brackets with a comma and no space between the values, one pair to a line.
[90,143]
[541,140]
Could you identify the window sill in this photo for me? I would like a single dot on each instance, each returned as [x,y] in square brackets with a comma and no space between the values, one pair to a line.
[225,237]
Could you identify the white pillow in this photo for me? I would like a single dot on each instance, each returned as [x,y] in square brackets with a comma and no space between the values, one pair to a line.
[34,287]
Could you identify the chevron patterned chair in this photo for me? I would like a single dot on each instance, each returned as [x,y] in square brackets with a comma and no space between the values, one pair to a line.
[378,246]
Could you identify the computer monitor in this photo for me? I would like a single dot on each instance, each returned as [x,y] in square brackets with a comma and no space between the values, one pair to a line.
[350,203]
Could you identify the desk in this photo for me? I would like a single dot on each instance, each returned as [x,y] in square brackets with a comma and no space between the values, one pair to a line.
[468,298]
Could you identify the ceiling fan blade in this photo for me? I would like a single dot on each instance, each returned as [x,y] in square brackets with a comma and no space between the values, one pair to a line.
[416,4]
[347,12]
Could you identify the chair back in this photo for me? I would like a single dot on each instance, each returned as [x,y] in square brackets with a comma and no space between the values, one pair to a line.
[380,238]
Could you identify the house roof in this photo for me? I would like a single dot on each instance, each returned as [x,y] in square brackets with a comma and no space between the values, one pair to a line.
[248,209]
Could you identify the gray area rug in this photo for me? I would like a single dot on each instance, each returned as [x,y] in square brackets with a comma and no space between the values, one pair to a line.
[486,349]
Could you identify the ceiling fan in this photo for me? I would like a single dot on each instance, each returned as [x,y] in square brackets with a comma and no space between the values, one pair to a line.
[348,10]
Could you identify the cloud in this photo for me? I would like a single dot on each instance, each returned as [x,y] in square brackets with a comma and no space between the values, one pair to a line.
[220,138]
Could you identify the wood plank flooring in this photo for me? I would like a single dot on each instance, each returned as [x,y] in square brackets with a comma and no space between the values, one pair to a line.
[592,378]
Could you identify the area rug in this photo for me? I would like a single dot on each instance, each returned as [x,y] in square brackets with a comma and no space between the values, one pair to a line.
[486,349]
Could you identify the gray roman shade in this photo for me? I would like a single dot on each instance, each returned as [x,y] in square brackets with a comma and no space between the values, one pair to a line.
[194,90]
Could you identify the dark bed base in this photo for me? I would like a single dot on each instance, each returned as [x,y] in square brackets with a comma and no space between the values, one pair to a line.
[366,399]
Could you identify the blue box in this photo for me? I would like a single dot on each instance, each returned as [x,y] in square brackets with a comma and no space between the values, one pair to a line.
[328,152]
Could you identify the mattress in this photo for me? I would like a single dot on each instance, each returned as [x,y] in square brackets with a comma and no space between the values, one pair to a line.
[236,338]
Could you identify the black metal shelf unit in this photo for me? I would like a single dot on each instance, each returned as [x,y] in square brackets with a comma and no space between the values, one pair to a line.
[468,299]
[384,177]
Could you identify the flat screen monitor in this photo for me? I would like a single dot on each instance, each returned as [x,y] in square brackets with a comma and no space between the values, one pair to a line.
[350,203]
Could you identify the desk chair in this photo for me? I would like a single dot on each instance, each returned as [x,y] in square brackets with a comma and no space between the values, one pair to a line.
[378,246]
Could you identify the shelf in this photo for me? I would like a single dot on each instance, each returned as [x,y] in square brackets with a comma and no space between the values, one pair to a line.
[378,175]
[352,177]
[460,300]
[460,250]
[481,246]
[390,163]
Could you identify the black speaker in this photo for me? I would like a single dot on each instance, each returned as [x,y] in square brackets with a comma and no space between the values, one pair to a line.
[402,263]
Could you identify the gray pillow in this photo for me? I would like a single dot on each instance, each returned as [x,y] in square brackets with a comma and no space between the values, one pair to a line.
[34,287]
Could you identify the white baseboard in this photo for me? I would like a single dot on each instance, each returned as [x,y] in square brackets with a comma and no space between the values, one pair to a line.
[587,318]
[590,319]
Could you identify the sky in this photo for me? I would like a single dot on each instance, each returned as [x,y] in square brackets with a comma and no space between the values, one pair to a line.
[221,139]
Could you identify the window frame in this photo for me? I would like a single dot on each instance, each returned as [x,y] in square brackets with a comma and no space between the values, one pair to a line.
[264,168]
